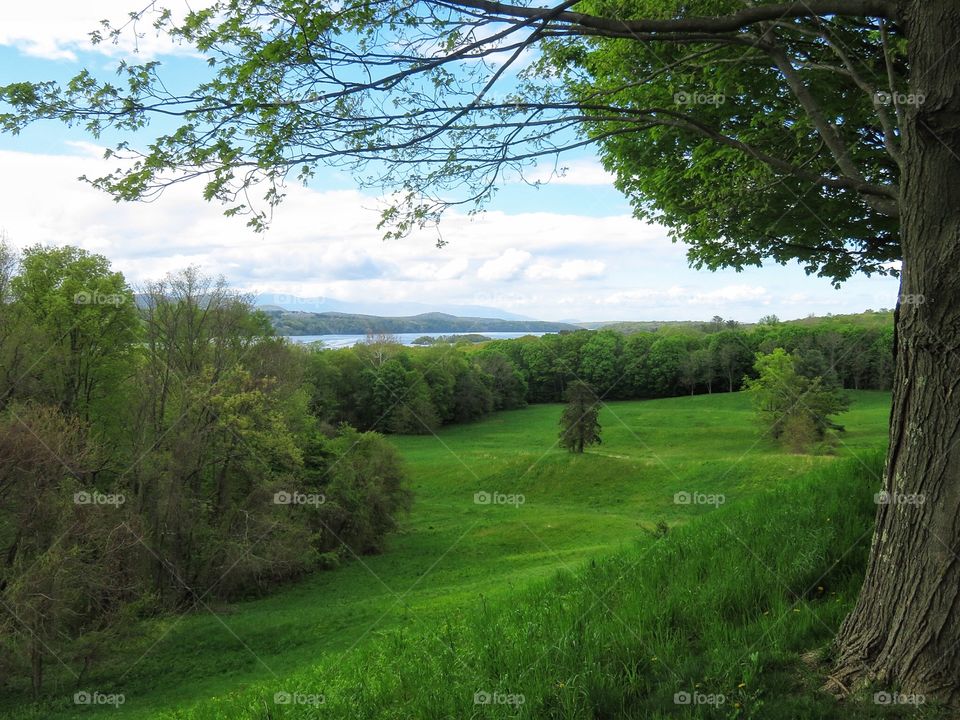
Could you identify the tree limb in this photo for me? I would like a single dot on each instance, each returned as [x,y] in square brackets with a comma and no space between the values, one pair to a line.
[716,24]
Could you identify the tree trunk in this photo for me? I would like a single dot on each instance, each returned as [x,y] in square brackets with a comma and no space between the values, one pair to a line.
[904,630]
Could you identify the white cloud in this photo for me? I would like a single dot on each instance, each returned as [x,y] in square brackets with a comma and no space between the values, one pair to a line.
[732,294]
[88,149]
[58,29]
[676,295]
[325,243]
[643,296]
[505,267]
[567,270]
[436,271]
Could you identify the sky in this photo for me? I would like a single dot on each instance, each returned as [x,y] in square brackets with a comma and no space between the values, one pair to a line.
[568,250]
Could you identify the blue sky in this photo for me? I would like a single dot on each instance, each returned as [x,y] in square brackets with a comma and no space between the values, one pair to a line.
[566,250]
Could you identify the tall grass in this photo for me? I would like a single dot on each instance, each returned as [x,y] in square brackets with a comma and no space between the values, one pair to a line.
[709,621]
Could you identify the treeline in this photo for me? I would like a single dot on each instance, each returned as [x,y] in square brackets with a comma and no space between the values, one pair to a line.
[669,362]
[158,455]
[384,386]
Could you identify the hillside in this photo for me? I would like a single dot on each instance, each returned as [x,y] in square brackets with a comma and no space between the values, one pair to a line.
[536,574]
[629,327]
[871,319]
[867,319]
[289,322]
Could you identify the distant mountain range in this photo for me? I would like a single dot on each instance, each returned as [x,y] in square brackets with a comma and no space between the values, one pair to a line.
[292,303]
[290,322]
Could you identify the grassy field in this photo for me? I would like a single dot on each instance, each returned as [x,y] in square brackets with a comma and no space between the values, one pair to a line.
[557,529]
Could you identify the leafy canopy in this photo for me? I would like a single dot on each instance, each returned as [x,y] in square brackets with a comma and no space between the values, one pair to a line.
[770,130]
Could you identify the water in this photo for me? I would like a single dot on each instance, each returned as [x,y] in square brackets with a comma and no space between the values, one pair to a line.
[342,341]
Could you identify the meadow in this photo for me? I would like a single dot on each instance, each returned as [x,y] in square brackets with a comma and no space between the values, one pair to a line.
[683,555]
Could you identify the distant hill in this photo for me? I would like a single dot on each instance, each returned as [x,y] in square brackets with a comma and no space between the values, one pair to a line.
[289,322]
[629,327]
[297,322]
[293,303]
[868,319]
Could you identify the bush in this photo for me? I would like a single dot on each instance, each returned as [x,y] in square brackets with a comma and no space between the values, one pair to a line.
[361,479]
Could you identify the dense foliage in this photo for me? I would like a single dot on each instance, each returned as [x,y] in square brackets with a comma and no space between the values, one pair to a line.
[158,456]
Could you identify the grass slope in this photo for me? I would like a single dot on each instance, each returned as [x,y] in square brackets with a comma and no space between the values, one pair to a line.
[449,610]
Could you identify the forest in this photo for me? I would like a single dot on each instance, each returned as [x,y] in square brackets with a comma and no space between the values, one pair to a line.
[159,456]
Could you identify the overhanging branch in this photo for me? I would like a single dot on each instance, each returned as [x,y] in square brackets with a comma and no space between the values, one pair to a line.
[718,24]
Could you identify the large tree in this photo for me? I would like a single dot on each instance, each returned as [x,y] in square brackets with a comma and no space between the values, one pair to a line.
[78,324]
[832,123]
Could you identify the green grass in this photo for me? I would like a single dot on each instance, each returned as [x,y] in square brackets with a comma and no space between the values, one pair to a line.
[565,598]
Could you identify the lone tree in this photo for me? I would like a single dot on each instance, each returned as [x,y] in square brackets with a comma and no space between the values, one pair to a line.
[833,124]
[580,422]
[790,405]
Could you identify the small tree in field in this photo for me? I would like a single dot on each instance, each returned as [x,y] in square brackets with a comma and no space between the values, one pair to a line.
[790,406]
[580,423]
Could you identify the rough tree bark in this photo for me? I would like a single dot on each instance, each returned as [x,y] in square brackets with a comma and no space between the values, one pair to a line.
[904,630]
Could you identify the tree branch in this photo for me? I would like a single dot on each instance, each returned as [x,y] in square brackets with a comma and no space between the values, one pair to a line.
[827,131]
[717,24]
[882,198]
